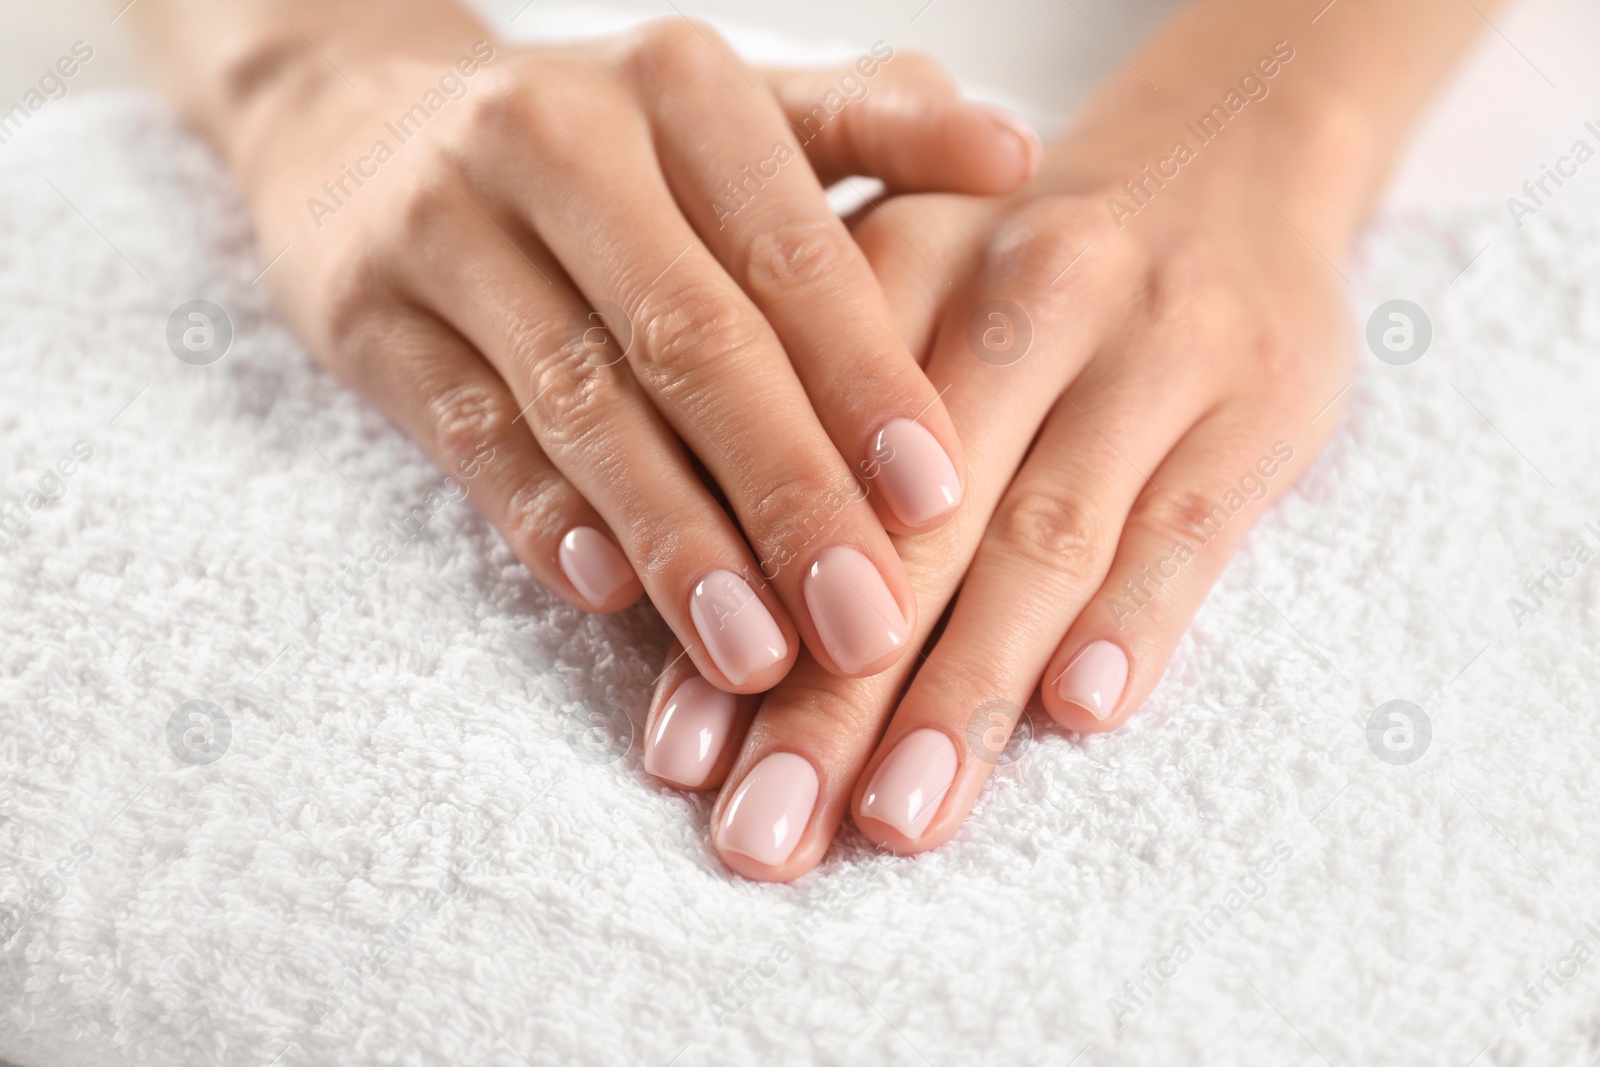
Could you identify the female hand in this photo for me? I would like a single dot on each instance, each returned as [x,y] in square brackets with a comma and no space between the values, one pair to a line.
[1133,388]
[557,267]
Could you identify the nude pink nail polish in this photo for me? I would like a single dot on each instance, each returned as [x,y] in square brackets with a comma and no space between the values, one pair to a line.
[1032,146]
[855,614]
[909,785]
[917,478]
[593,564]
[689,733]
[770,809]
[1095,678]
[738,630]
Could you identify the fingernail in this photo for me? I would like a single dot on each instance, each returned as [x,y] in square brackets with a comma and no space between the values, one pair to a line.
[769,812]
[595,567]
[1095,678]
[1032,146]
[738,630]
[917,477]
[907,789]
[689,733]
[855,614]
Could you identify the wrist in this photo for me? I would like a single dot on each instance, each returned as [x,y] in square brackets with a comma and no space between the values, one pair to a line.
[1316,157]
[249,72]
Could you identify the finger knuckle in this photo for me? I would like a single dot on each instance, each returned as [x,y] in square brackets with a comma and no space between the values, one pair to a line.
[1044,236]
[688,333]
[539,512]
[679,51]
[799,509]
[354,315]
[656,544]
[838,714]
[498,105]
[425,208]
[465,418]
[1193,293]
[803,255]
[920,69]
[569,395]
[1190,517]
[551,129]
[1057,531]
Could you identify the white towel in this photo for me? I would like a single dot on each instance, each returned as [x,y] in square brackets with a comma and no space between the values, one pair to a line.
[413,844]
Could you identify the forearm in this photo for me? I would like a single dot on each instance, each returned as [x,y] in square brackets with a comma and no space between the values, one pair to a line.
[217,60]
[1323,127]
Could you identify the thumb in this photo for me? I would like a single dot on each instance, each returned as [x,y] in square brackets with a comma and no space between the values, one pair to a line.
[899,117]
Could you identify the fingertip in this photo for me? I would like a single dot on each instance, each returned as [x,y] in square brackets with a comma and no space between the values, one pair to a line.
[693,732]
[919,486]
[1077,718]
[1086,694]
[862,623]
[1023,151]
[600,576]
[620,600]
[761,832]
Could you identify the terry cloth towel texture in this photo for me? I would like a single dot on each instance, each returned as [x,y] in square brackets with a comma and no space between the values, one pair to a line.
[426,838]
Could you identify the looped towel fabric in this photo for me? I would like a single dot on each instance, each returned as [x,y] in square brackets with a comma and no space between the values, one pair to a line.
[301,768]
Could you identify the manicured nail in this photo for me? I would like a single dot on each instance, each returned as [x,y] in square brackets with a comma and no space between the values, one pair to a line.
[1095,678]
[907,789]
[917,478]
[854,612]
[689,733]
[1032,146]
[769,812]
[738,630]
[595,567]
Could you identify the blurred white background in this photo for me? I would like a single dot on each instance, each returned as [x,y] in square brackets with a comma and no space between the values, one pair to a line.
[1518,103]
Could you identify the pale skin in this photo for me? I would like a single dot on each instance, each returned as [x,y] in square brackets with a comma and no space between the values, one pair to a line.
[449,278]
[1189,350]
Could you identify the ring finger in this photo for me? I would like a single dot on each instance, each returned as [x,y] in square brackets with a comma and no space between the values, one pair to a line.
[586,411]
[1044,554]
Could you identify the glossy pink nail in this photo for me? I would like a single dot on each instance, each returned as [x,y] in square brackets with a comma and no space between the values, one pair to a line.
[738,630]
[855,614]
[917,478]
[595,567]
[770,809]
[1032,146]
[1095,678]
[908,786]
[689,733]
